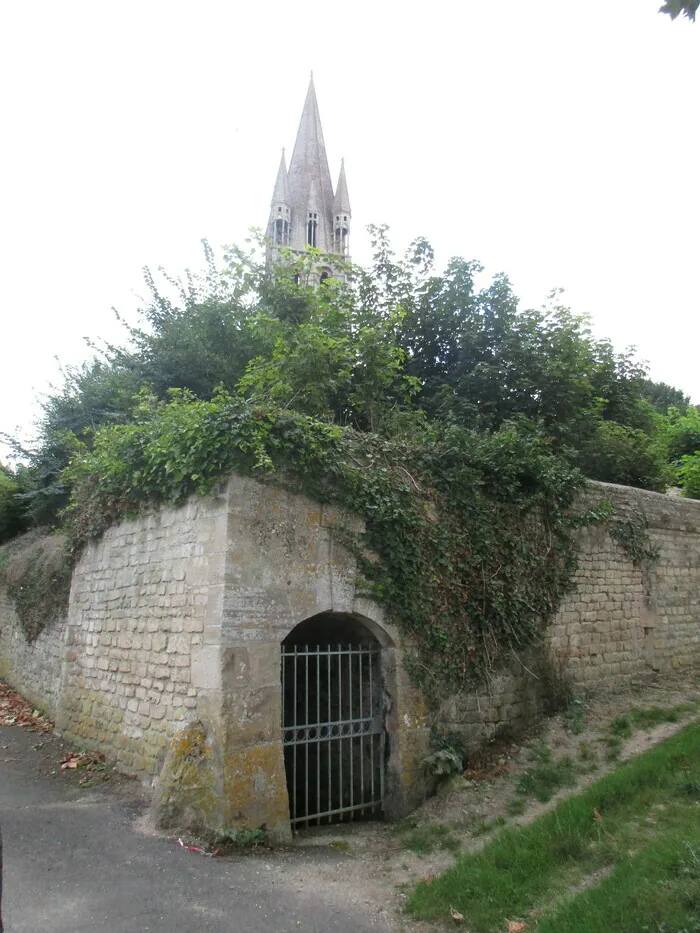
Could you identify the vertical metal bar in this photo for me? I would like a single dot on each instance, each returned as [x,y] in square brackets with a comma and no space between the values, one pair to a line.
[330,731]
[318,733]
[371,742]
[283,712]
[382,752]
[294,762]
[340,730]
[362,734]
[306,744]
[284,661]
[382,730]
[351,740]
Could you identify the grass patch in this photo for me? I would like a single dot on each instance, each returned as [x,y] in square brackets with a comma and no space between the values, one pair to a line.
[587,757]
[641,821]
[482,827]
[424,838]
[574,714]
[636,718]
[237,839]
[659,890]
[621,726]
[546,775]
[517,807]
[626,724]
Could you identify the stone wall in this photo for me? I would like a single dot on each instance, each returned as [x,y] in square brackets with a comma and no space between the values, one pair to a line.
[145,604]
[169,660]
[36,666]
[621,621]
[625,618]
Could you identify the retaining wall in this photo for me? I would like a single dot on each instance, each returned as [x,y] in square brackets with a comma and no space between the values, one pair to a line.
[169,659]
[620,621]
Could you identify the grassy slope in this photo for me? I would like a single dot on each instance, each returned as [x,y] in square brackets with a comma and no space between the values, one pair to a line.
[641,822]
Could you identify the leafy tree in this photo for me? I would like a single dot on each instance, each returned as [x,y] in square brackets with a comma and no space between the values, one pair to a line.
[689,474]
[396,348]
[617,453]
[674,8]
[333,361]
[681,432]
[12,508]
[197,333]
[663,396]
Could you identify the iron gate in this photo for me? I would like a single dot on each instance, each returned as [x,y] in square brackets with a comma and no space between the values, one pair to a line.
[333,732]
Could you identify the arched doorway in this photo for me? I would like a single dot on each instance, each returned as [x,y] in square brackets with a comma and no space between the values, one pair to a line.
[333,726]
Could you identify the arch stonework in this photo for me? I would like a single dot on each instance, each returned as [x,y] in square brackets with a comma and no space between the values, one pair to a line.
[282,566]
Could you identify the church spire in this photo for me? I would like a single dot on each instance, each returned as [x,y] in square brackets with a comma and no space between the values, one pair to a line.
[307,190]
[309,170]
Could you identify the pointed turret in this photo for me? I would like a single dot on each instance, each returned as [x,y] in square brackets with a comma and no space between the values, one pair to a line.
[341,202]
[279,225]
[281,193]
[341,215]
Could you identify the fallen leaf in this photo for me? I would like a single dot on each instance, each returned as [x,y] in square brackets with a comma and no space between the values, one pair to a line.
[516,926]
[456,916]
[596,815]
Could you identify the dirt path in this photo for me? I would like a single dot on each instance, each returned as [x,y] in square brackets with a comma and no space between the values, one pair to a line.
[361,872]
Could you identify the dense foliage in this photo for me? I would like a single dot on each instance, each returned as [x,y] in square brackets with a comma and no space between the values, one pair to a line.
[400,344]
[456,424]
[11,506]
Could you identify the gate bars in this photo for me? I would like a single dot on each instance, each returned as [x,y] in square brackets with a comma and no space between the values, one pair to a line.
[333,732]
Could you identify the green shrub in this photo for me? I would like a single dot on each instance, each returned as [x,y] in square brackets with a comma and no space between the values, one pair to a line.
[12,508]
[616,453]
[444,762]
[689,474]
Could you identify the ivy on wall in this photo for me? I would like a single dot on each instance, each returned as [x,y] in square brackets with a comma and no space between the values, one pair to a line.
[633,537]
[469,540]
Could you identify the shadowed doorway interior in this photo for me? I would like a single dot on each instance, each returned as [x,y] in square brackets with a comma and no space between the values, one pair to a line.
[333,721]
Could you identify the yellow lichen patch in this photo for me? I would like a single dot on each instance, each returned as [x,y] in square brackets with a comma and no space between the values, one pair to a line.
[188,788]
[256,791]
[190,745]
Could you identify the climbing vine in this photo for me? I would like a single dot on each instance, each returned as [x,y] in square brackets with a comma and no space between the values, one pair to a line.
[633,536]
[468,540]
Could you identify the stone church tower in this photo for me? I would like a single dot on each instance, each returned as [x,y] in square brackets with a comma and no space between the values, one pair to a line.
[304,210]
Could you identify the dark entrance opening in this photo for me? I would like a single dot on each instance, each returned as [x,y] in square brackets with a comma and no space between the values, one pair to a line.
[333,721]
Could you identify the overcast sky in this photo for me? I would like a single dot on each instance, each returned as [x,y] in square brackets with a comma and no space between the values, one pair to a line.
[554,140]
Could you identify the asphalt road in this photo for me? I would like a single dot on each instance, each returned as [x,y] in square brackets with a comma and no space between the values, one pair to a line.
[79,860]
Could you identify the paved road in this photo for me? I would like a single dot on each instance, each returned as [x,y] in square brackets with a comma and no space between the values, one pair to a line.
[78,860]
